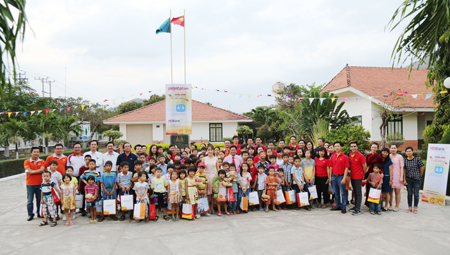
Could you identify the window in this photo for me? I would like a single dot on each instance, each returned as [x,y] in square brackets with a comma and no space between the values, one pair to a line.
[395,124]
[215,132]
[429,122]
[359,121]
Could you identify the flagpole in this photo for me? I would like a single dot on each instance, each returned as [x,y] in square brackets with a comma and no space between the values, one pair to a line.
[171,64]
[184,20]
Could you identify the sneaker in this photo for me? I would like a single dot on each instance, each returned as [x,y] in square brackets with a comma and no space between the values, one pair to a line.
[352,209]
[356,213]
[207,214]
[409,210]
[197,216]
[415,211]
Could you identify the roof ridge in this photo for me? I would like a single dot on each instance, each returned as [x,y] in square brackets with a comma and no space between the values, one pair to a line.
[323,89]
[223,109]
[142,107]
[387,67]
[348,75]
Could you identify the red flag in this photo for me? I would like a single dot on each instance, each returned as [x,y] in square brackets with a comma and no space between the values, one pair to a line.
[178,21]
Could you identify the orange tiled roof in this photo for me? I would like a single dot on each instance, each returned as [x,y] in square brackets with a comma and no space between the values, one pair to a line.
[377,81]
[157,113]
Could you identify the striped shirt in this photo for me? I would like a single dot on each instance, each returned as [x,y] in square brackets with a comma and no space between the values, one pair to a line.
[124,180]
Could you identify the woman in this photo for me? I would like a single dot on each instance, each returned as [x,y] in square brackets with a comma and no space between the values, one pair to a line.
[221,155]
[371,159]
[412,178]
[330,150]
[210,171]
[397,174]
[387,180]
[251,151]
[258,150]
[302,145]
[322,166]
[310,146]
[216,152]
[153,152]
[187,150]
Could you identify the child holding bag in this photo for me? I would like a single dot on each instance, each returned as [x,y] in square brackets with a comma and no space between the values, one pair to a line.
[233,178]
[175,195]
[376,181]
[223,184]
[271,189]
[191,191]
[244,182]
[141,188]
[48,204]
[68,198]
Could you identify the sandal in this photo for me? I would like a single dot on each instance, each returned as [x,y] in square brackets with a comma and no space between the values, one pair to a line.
[71,223]
[147,220]
[219,214]
[308,208]
[267,210]
[379,213]
[156,218]
[384,209]
[227,213]
[91,221]
[372,213]
[122,218]
[54,223]
[138,221]
[67,223]
[101,219]
[274,210]
[43,223]
[324,206]
[166,217]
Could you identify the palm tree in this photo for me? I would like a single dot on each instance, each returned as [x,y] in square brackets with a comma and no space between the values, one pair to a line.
[16,130]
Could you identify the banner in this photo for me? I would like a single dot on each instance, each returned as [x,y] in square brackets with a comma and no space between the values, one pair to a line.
[436,174]
[178,109]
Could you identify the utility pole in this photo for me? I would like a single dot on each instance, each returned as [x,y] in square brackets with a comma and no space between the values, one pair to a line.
[43,80]
[20,79]
[50,86]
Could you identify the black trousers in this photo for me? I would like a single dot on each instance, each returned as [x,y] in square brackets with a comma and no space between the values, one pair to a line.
[357,184]
[322,190]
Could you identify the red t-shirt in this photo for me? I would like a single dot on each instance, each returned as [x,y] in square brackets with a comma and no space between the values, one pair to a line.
[253,173]
[264,147]
[256,159]
[33,179]
[357,160]
[296,146]
[81,183]
[339,163]
[321,167]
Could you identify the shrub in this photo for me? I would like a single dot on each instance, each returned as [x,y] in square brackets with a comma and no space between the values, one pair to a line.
[348,133]
[395,138]
[166,146]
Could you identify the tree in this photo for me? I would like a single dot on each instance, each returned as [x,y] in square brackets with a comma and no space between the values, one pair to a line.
[113,134]
[128,106]
[348,133]
[11,28]
[16,130]
[153,99]
[244,131]
[267,115]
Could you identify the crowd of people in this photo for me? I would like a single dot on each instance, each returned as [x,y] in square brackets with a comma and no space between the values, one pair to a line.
[222,181]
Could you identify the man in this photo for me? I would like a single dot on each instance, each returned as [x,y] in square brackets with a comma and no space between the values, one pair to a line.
[97,156]
[59,157]
[302,144]
[227,145]
[320,143]
[338,175]
[34,167]
[258,143]
[358,168]
[271,145]
[76,160]
[250,142]
[144,150]
[111,155]
[236,143]
[293,143]
[281,144]
[127,156]
[233,158]
[137,149]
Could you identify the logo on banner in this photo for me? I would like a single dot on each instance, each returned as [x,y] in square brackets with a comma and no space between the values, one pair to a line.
[439,170]
[180,108]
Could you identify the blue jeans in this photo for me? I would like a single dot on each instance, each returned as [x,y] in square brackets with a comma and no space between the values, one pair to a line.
[373,207]
[33,190]
[339,189]
[413,187]
[233,205]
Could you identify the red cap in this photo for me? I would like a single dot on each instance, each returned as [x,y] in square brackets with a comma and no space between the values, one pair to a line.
[201,165]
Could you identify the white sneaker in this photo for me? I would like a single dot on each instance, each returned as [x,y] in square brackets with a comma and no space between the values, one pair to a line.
[197,216]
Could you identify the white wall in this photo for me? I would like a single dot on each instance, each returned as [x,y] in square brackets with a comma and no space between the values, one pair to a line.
[229,129]
[200,130]
[158,132]
[410,131]
[123,129]
[422,122]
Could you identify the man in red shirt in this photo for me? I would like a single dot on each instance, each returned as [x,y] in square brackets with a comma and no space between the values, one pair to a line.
[358,167]
[226,149]
[59,157]
[258,142]
[293,143]
[250,143]
[339,171]
[34,167]
[236,143]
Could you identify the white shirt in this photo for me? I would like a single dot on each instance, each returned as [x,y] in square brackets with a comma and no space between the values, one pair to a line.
[111,157]
[75,162]
[98,157]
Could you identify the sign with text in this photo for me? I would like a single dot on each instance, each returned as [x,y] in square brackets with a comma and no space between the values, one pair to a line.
[436,174]
[181,141]
[178,109]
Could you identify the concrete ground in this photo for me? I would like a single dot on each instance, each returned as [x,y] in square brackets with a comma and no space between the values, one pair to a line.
[285,232]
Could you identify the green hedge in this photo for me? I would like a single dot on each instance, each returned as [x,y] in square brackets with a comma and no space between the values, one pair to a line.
[15,166]
[166,146]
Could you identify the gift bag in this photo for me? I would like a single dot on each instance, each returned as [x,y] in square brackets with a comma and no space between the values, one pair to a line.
[374,195]
[280,197]
[188,211]
[126,203]
[79,201]
[290,197]
[348,184]
[253,198]
[152,212]
[222,195]
[99,206]
[169,208]
[139,211]
[230,195]
[244,204]
[55,196]
[288,200]
[312,192]
[109,206]
[330,189]
[41,211]
[303,199]
[203,205]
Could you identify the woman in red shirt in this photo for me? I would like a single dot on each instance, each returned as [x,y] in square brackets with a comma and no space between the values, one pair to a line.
[322,166]
[372,159]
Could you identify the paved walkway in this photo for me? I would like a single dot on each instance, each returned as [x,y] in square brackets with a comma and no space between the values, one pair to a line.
[287,232]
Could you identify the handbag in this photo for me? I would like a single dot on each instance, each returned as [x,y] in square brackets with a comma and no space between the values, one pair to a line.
[188,211]
[244,203]
[292,196]
[253,198]
[109,206]
[152,212]
[303,199]
[222,195]
[374,195]
[99,206]
[230,195]
[280,197]
[312,192]
[203,205]
[55,196]
[139,211]
[126,203]
[330,189]
[348,183]
[79,200]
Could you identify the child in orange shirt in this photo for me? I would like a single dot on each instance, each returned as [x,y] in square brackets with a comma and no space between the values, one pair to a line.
[271,189]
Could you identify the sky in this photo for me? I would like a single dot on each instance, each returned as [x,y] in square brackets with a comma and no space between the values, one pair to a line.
[108,49]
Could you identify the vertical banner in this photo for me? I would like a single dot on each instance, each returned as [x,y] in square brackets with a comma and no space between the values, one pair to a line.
[436,174]
[178,109]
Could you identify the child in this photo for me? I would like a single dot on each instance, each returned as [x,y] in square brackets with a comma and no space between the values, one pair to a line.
[69,171]
[137,169]
[82,184]
[91,190]
[244,156]
[151,161]
[202,182]
[182,177]
[152,173]
[91,172]
[108,183]
[244,182]
[281,181]
[191,191]
[225,166]
[269,152]
[159,187]
[298,177]
[223,184]
[48,205]
[261,181]
[162,164]
[233,178]
[219,163]
[56,176]
[279,156]
[187,162]
[170,169]
[273,162]
[145,165]
[175,195]
[141,188]
[68,198]
[271,189]
[177,165]
[291,159]
[376,181]
[124,183]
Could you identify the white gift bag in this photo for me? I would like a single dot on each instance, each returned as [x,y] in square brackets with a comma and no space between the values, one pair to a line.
[280,197]
[79,201]
[303,199]
[203,206]
[253,198]
[292,195]
[126,203]
[109,207]
[313,192]
[139,211]
[374,195]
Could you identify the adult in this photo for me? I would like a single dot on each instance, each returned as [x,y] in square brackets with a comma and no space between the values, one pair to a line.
[397,174]
[144,150]
[95,155]
[358,167]
[137,149]
[258,151]
[330,150]
[153,152]
[216,152]
[310,146]
[412,178]
[250,142]
[281,144]
[371,159]
[338,175]
[320,144]
[326,144]
[259,143]
[111,155]
[34,167]
[322,167]
[76,160]
[127,156]
[210,171]
[187,149]
[293,143]
[271,145]
[387,180]
[233,158]
[227,145]
[302,145]
[236,143]
[59,157]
